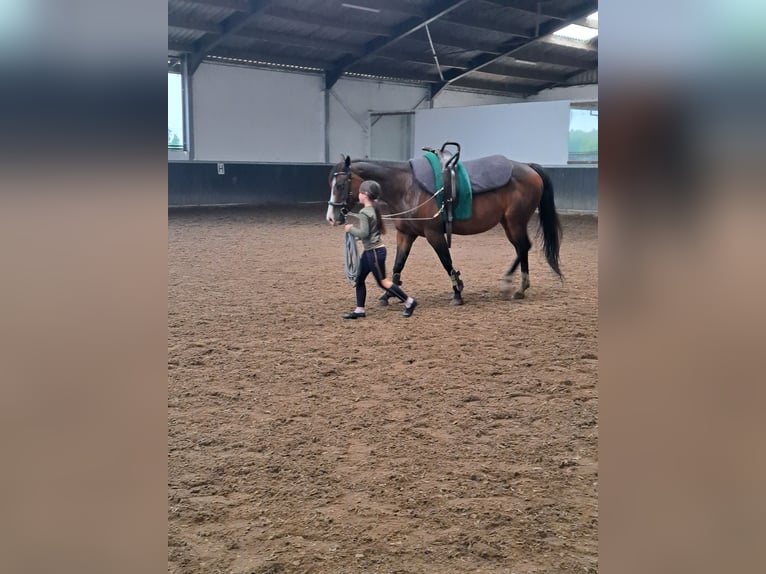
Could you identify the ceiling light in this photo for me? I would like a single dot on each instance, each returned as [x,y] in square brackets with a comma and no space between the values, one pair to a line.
[526,62]
[363,8]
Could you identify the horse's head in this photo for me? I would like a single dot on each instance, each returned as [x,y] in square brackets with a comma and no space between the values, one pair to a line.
[344,192]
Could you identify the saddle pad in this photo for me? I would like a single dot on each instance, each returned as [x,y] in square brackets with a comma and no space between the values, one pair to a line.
[462,207]
[423,174]
[487,173]
[484,174]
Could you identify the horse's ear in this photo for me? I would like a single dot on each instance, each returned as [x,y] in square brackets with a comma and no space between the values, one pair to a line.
[348,162]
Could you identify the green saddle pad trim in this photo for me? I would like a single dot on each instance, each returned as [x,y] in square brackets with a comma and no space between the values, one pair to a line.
[462,208]
[437,167]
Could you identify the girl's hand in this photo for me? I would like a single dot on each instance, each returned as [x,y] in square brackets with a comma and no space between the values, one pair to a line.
[347,227]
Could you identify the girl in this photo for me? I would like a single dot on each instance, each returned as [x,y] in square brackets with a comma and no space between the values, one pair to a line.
[373,259]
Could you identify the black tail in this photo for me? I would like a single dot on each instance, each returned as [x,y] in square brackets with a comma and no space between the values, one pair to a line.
[549,221]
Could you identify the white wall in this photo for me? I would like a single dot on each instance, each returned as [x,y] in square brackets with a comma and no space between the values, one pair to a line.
[254,115]
[529,132]
[352,100]
[243,114]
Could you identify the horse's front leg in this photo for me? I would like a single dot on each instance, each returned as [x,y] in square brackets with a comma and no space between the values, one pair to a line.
[439,242]
[403,246]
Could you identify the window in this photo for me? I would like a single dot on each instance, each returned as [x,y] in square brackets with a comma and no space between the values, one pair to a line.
[176,131]
[583,132]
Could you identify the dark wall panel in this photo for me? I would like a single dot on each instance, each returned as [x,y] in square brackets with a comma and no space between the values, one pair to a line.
[198,183]
[575,188]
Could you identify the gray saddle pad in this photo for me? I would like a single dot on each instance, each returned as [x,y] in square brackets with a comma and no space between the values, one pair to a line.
[485,174]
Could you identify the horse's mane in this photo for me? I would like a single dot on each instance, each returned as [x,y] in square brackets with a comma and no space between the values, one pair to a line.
[380,162]
[378,169]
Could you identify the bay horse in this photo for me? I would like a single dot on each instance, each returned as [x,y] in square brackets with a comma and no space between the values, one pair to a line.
[415,213]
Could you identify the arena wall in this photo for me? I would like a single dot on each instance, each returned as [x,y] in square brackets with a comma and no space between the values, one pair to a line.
[199,184]
[278,133]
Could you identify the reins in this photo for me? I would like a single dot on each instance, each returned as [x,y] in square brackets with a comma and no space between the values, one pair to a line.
[393,216]
[351,252]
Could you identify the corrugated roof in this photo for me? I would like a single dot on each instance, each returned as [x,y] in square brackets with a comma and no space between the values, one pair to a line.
[478,42]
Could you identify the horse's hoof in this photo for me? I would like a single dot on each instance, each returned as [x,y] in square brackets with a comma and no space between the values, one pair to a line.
[383,301]
[518,295]
[456,301]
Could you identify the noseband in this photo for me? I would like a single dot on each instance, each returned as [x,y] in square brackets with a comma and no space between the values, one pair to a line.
[346,206]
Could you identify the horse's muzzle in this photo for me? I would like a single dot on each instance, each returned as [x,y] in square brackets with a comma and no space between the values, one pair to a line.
[340,216]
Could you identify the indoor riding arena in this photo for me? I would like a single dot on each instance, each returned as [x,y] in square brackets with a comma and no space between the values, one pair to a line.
[462,439]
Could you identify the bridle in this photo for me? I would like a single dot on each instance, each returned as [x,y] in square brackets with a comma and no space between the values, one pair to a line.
[346,206]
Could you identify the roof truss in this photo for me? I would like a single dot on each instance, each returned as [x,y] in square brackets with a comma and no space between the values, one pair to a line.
[476,41]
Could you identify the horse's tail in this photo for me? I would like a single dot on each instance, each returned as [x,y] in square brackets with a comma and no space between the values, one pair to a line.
[549,221]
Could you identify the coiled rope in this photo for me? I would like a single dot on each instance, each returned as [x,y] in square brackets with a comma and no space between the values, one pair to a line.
[351,257]
[350,251]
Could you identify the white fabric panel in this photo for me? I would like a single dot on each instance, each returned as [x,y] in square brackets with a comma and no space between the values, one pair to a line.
[244,114]
[529,132]
[254,115]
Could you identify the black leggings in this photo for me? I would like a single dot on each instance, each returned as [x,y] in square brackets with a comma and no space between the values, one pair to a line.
[374,261]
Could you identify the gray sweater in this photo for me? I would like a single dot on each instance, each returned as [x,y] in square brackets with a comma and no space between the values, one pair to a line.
[367,229]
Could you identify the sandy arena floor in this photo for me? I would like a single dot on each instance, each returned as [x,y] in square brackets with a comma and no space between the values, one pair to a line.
[463,439]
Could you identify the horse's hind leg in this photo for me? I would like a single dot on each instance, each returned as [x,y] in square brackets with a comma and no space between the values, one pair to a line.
[439,242]
[403,246]
[517,235]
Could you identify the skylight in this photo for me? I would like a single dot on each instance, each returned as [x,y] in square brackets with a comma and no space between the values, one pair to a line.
[577,32]
[582,33]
